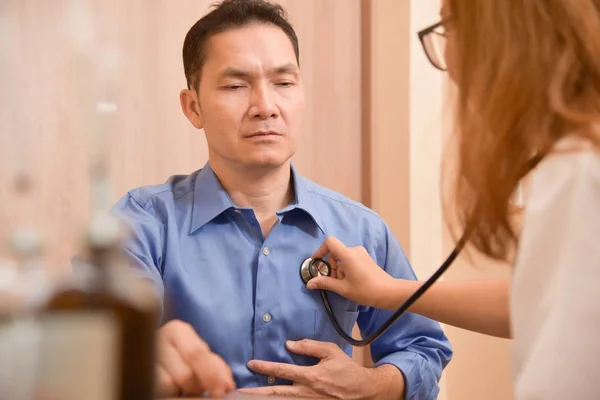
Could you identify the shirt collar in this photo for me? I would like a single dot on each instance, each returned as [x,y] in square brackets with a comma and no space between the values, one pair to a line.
[211,199]
[304,199]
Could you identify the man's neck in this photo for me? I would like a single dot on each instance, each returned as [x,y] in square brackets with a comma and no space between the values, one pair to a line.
[266,190]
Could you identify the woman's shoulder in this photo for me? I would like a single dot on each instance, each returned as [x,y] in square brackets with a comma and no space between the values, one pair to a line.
[573,157]
[577,143]
[566,180]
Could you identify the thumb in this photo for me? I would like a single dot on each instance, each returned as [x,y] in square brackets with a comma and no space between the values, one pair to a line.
[327,283]
[332,246]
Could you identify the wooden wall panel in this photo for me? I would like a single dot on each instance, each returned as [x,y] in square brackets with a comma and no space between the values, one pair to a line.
[389,115]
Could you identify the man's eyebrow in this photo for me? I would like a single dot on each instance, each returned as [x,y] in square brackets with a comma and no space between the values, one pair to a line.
[289,68]
[232,72]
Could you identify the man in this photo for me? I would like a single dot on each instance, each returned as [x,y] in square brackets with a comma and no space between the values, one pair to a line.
[224,244]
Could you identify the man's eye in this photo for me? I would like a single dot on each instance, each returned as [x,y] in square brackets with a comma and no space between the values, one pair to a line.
[233,87]
[285,84]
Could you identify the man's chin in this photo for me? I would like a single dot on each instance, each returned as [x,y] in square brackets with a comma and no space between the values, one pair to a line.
[267,162]
[265,165]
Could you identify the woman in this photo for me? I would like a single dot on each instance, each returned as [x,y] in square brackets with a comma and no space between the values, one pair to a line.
[528,79]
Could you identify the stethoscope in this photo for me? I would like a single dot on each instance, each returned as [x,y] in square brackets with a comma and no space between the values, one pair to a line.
[313,267]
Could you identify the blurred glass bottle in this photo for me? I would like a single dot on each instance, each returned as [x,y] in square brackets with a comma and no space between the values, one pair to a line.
[99,330]
[8,279]
[23,288]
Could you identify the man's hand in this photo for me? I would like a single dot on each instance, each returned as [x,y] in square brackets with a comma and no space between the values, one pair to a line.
[336,375]
[186,364]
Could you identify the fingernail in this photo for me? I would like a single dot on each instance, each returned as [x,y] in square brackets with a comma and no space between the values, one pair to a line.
[290,343]
[310,285]
[251,363]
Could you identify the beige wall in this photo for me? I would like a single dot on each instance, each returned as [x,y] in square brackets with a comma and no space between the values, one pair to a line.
[372,97]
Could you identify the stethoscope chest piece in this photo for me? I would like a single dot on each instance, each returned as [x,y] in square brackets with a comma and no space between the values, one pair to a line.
[313,267]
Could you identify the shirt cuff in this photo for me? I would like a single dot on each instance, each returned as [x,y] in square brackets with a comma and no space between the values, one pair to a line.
[420,383]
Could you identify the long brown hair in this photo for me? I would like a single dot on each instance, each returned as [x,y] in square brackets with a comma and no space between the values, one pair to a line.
[528,74]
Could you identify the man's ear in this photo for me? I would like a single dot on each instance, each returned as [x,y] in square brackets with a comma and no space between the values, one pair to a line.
[190,106]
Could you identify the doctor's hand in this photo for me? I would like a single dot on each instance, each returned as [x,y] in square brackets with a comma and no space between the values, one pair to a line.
[336,375]
[186,364]
[354,275]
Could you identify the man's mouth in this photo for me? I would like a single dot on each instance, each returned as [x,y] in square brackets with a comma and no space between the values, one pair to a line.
[263,134]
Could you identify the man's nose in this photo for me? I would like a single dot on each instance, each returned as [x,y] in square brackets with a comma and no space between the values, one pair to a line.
[263,104]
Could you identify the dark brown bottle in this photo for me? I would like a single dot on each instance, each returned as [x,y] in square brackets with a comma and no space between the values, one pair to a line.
[120,348]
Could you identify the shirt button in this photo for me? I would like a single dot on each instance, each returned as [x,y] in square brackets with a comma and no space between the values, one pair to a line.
[266,251]
[267,317]
[237,211]
[271,380]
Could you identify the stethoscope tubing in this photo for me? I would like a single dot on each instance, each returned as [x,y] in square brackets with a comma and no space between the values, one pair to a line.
[403,308]
[531,164]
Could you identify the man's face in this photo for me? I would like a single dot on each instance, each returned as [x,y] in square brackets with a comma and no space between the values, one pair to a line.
[251,97]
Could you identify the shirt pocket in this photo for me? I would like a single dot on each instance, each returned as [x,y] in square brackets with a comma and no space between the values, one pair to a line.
[315,324]
[324,329]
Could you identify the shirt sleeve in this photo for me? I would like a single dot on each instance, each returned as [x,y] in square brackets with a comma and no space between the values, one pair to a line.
[555,306]
[416,345]
[145,238]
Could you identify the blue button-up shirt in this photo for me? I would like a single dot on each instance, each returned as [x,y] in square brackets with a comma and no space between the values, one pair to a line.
[243,293]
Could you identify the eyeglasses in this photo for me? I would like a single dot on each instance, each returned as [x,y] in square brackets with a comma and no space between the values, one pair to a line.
[434,40]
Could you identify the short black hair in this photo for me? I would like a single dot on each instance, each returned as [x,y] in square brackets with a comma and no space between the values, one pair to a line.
[230,14]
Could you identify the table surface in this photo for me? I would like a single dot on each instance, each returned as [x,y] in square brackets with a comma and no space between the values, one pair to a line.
[237,396]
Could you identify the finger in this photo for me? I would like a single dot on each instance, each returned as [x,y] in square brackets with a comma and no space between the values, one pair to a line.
[165,386]
[210,371]
[214,374]
[284,390]
[332,246]
[313,348]
[177,369]
[336,285]
[334,267]
[281,370]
